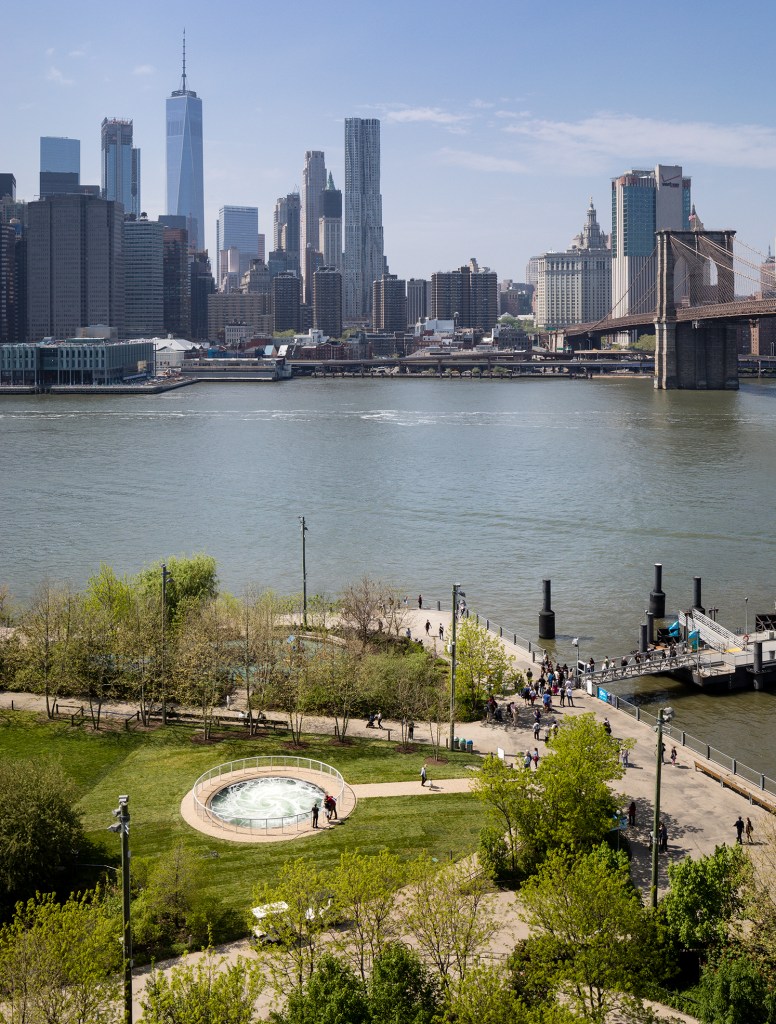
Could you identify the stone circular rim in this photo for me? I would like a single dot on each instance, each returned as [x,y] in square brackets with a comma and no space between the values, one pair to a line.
[196,810]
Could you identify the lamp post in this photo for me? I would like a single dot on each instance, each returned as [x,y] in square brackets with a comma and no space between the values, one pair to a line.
[664,716]
[457,592]
[575,643]
[746,616]
[122,827]
[166,578]
[304,572]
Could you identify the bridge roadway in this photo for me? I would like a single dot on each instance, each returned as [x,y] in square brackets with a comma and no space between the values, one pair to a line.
[743,309]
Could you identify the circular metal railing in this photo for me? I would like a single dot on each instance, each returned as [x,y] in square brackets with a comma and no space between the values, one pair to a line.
[255,767]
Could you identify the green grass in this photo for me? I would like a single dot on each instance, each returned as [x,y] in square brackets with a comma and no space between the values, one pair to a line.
[157,769]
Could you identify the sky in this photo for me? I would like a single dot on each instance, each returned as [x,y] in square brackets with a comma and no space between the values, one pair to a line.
[500,120]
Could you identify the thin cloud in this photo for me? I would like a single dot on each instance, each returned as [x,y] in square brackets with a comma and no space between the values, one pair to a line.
[55,75]
[144,70]
[485,162]
[77,53]
[428,115]
[625,137]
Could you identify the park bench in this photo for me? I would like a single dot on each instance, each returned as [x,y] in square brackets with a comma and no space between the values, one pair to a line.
[727,781]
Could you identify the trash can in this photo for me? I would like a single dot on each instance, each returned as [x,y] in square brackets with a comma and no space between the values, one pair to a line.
[469,746]
[455,743]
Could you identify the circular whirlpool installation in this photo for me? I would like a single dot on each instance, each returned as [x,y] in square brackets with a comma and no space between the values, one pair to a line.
[272,799]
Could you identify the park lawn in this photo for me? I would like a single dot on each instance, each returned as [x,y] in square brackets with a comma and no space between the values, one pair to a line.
[158,768]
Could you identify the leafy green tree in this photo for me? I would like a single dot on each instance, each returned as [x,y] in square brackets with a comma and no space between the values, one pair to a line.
[40,827]
[483,666]
[513,799]
[734,990]
[191,581]
[333,995]
[365,888]
[593,935]
[169,914]
[486,996]
[577,802]
[300,908]
[445,913]
[210,991]
[48,628]
[204,660]
[59,963]
[256,626]
[401,988]
[335,684]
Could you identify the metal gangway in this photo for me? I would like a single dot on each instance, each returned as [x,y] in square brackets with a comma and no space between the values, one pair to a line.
[712,634]
[657,661]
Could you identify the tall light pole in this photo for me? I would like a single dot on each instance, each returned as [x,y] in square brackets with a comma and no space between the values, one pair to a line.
[122,827]
[304,572]
[664,715]
[746,616]
[166,577]
[457,592]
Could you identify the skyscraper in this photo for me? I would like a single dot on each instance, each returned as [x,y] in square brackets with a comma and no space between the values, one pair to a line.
[120,165]
[417,306]
[143,241]
[643,202]
[185,189]
[468,295]
[327,301]
[330,226]
[177,282]
[75,265]
[313,184]
[237,228]
[286,229]
[364,258]
[389,304]
[60,166]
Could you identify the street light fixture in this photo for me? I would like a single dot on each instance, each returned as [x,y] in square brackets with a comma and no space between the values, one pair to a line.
[122,827]
[664,716]
[457,592]
[304,571]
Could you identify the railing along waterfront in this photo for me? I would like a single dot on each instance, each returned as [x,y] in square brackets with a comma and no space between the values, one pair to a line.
[762,782]
[527,647]
[261,765]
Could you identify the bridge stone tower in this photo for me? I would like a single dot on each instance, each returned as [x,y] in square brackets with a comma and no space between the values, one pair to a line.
[694,354]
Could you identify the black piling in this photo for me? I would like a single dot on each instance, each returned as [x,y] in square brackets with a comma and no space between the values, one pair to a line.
[546,615]
[657,598]
[696,594]
[757,666]
[650,628]
[643,638]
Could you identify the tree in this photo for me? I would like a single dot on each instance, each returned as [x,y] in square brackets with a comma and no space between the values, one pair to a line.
[48,630]
[259,652]
[482,666]
[401,989]
[210,991]
[360,607]
[299,909]
[40,828]
[733,990]
[59,963]
[486,996]
[365,888]
[704,897]
[203,665]
[104,609]
[168,911]
[595,939]
[444,911]
[514,804]
[336,684]
[333,995]
[190,581]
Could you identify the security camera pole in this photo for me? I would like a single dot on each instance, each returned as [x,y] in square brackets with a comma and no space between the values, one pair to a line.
[122,827]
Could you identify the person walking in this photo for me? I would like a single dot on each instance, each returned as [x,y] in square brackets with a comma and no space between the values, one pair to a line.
[379,719]
[673,756]
[441,631]
[632,813]
[739,827]
[662,835]
[749,829]
[535,757]
[411,730]
[423,776]
[428,626]
[536,729]
[625,758]
[316,811]
[570,694]
[420,600]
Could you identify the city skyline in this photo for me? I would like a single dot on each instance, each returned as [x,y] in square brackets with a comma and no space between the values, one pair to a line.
[483,153]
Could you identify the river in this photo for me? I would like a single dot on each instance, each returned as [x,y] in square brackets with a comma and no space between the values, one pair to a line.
[493,484]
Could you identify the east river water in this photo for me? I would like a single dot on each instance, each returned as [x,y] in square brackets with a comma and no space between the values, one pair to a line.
[493,484]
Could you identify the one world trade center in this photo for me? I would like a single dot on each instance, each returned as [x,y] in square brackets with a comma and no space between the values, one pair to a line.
[184,160]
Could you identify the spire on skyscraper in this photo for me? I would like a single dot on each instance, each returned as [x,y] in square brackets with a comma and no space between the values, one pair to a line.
[330,183]
[183,76]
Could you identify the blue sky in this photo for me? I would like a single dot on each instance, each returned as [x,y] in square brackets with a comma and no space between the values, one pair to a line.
[499,120]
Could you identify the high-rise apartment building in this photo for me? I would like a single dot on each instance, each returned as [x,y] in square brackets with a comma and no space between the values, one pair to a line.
[143,242]
[75,265]
[185,187]
[643,202]
[575,286]
[286,296]
[177,282]
[202,285]
[313,184]
[60,166]
[7,186]
[417,300]
[468,295]
[389,304]
[327,301]
[8,292]
[120,165]
[237,228]
[330,226]
[364,252]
